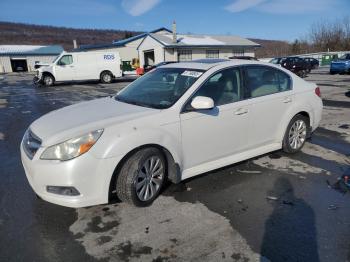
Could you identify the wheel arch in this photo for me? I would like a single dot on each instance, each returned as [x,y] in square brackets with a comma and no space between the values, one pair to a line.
[106,71]
[304,111]
[172,168]
[306,114]
[48,73]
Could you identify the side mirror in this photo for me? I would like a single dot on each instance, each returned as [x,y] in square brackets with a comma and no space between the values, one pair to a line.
[202,102]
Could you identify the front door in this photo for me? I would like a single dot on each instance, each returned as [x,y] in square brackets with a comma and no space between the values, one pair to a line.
[209,135]
[64,69]
[149,58]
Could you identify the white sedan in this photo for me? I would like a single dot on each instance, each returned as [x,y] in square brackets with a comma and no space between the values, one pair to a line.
[175,122]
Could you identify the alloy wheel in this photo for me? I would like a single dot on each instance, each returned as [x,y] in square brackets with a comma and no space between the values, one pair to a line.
[297,134]
[149,178]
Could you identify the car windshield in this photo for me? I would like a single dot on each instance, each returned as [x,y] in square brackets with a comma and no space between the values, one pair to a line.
[274,61]
[345,57]
[159,88]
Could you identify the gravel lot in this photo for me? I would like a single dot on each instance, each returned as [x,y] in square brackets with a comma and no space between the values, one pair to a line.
[275,207]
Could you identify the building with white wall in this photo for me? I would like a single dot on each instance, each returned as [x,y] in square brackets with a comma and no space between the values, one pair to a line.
[160,45]
[156,48]
[127,48]
[22,58]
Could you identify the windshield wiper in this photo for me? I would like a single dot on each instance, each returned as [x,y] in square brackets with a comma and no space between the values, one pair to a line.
[136,103]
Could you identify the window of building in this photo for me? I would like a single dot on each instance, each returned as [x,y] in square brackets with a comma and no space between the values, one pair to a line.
[212,54]
[184,55]
[238,52]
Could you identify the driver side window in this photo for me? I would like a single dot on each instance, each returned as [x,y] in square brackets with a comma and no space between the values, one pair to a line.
[65,60]
[223,87]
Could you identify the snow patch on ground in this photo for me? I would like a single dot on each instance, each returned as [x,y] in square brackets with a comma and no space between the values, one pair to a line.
[167,230]
[286,164]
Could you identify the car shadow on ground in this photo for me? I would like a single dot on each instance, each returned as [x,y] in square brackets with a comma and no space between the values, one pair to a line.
[287,240]
[93,83]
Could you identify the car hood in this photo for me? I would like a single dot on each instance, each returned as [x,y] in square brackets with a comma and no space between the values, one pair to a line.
[339,61]
[82,118]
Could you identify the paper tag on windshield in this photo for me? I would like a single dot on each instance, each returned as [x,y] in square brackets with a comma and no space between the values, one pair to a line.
[195,74]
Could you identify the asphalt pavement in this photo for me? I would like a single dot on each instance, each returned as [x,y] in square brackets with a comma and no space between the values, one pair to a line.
[275,207]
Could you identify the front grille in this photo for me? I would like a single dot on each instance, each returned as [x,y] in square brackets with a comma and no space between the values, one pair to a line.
[31,143]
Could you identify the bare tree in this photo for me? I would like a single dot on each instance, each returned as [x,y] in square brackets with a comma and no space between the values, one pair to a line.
[330,35]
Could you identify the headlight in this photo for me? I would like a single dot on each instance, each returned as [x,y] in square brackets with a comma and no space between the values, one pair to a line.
[72,148]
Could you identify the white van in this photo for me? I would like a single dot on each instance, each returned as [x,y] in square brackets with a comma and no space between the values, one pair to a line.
[78,66]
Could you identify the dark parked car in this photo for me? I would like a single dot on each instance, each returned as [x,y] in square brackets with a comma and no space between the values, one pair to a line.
[150,67]
[277,60]
[341,65]
[293,63]
[244,58]
[313,63]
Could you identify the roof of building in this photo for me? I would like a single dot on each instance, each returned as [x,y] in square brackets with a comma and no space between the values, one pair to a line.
[136,37]
[119,43]
[202,40]
[30,50]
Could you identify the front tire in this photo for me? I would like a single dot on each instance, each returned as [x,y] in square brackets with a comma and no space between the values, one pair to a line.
[141,177]
[296,134]
[48,80]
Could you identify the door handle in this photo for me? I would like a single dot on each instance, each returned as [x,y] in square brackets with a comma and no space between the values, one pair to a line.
[287,100]
[241,111]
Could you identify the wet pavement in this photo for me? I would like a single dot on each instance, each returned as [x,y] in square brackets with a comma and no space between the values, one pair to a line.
[274,207]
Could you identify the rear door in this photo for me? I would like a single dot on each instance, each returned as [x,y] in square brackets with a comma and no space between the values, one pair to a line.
[209,135]
[269,90]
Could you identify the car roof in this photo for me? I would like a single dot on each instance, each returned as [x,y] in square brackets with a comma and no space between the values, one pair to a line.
[206,64]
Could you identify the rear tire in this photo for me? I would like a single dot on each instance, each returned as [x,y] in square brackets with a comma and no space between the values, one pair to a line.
[106,77]
[296,134]
[141,177]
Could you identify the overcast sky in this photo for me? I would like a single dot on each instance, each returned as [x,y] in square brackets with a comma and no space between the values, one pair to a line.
[268,19]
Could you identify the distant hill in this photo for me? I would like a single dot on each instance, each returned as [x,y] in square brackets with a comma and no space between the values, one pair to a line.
[19,33]
[272,48]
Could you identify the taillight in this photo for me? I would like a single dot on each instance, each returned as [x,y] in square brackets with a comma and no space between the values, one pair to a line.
[318,91]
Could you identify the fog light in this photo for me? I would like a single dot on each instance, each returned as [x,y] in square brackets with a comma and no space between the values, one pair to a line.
[63,190]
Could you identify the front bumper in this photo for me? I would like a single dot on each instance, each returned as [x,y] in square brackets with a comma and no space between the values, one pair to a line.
[89,175]
[37,80]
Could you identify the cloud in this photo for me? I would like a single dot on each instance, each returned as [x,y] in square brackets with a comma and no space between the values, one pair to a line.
[138,7]
[281,6]
[241,5]
[296,6]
